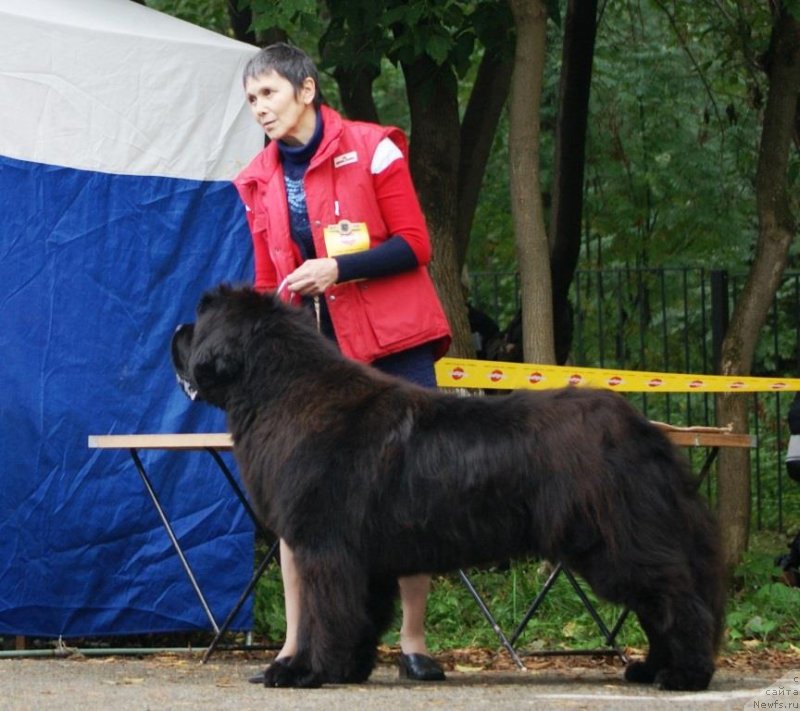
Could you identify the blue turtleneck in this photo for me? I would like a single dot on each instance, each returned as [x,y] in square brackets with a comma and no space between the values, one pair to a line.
[390,257]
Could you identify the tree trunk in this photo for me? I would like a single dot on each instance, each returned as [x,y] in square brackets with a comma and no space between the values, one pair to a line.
[355,90]
[356,76]
[486,102]
[241,20]
[530,18]
[776,229]
[434,154]
[566,211]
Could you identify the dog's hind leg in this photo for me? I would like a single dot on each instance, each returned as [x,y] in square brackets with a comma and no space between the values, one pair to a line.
[691,643]
[645,672]
[602,573]
[680,630]
[680,625]
[693,611]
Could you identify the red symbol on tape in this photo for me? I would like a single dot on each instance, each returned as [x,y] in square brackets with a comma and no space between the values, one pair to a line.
[457,373]
[535,378]
[614,380]
[778,386]
[575,379]
[737,385]
[496,376]
[655,382]
[696,384]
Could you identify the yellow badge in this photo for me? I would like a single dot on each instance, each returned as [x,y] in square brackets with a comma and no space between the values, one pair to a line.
[346,237]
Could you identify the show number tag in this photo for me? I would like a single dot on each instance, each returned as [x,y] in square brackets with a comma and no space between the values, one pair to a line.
[346,237]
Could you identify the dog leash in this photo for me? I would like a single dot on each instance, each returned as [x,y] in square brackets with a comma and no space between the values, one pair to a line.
[283,285]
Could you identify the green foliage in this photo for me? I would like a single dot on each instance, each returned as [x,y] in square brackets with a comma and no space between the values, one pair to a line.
[211,14]
[671,154]
[676,106]
[492,247]
[761,610]
[285,14]
[455,620]
[554,11]
[445,31]
[269,621]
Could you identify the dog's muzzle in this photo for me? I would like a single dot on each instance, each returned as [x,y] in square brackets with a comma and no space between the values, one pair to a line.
[189,390]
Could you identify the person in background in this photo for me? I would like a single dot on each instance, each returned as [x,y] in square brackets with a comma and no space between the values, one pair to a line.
[336,225]
[793,452]
[790,562]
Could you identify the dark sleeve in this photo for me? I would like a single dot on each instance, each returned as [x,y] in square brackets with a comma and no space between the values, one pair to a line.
[390,257]
[794,415]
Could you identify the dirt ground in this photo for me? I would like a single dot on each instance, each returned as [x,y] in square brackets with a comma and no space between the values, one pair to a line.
[477,679]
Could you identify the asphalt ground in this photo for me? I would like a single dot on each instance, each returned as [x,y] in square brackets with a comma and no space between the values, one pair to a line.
[174,682]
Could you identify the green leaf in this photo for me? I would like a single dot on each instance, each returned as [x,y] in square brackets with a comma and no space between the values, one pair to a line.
[793,8]
[438,46]
[554,11]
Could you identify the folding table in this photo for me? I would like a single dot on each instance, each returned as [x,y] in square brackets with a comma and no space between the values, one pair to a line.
[711,438]
[213,443]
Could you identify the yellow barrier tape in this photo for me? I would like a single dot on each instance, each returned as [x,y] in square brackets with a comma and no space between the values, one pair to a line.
[497,375]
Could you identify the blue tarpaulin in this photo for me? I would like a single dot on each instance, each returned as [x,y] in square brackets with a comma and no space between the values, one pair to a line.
[120,129]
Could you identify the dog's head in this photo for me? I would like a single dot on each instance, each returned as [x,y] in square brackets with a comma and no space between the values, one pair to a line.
[209,355]
[245,341]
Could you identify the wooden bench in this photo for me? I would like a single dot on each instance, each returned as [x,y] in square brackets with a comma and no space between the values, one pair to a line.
[711,438]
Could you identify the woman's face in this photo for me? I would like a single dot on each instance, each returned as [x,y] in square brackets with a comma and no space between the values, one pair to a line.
[284,114]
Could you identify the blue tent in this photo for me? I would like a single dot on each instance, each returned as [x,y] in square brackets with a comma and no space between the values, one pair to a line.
[120,129]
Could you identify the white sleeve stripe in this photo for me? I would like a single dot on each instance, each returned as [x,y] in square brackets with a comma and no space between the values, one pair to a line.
[385,154]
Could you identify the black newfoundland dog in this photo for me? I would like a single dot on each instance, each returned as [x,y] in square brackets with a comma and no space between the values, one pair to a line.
[369,478]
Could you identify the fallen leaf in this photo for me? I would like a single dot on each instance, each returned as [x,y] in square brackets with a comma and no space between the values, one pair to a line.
[466,668]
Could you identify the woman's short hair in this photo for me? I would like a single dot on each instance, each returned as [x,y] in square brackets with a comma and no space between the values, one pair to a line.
[290,62]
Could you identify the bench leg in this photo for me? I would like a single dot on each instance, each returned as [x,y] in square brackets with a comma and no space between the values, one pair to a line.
[175,544]
[491,619]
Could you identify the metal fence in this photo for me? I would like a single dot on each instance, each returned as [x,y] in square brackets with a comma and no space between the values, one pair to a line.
[673,320]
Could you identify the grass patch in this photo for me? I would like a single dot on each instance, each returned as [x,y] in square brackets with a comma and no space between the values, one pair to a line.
[762,612]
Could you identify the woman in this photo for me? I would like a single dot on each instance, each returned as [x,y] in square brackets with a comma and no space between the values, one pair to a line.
[336,224]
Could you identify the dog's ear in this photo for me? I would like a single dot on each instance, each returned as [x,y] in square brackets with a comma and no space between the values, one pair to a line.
[180,348]
[180,351]
[214,365]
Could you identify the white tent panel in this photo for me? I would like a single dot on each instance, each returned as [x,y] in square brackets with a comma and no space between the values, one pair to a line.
[116,87]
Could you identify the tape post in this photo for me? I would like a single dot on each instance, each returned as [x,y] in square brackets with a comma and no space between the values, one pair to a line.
[498,375]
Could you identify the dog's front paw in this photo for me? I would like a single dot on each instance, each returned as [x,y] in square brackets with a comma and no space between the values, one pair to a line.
[278,673]
[684,679]
[284,673]
[640,673]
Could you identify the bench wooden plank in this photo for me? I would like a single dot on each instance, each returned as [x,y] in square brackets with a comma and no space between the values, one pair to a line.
[711,439]
[194,440]
[683,437]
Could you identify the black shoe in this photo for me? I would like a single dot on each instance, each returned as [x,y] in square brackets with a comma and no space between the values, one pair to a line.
[259,678]
[419,667]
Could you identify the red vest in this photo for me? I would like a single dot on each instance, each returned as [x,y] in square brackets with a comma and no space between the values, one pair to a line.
[372,318]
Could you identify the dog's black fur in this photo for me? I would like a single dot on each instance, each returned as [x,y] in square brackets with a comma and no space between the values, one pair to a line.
[368,478]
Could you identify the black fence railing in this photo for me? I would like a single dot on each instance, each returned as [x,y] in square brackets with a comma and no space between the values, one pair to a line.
[673,320]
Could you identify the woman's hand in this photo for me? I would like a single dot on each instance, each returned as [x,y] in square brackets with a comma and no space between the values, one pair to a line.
[313,276]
